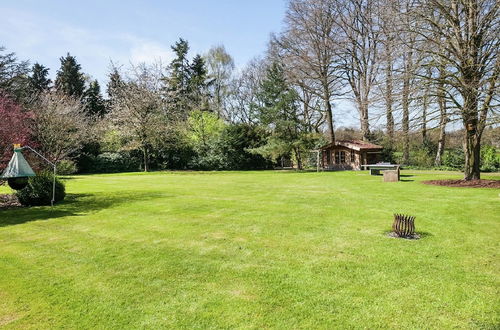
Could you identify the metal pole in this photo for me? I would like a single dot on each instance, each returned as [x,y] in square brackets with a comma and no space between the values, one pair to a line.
[53,188]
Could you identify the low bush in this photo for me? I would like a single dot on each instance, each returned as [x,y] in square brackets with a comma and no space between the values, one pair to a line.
[454,159]
[66,167]
[490,159]
[421,158]
[113,162]
[38,192]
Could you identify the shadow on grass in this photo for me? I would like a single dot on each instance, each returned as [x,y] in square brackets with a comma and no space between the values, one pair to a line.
[73,205]
[421,234]
[424,234]
[403,180]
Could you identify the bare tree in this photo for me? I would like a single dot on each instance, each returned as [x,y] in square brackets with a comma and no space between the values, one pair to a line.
[465,35]
[388,46]
[60,125]
[359,51]
[443,116]
[410,63]
[243,89]
[220,68]
[308,42]
[139,111]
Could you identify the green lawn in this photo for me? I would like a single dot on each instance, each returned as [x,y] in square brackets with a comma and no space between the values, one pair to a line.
[252,250]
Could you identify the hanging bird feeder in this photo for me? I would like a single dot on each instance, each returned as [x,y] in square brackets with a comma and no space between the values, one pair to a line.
[18,171]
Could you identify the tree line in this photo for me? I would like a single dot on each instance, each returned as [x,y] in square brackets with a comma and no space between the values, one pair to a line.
[422,76]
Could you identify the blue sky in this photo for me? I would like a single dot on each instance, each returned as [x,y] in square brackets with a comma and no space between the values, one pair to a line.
[138,31]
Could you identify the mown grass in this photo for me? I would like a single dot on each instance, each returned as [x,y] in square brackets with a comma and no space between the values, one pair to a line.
[252,250]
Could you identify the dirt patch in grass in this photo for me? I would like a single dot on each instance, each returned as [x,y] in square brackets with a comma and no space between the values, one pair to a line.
[463,183]
[8,201]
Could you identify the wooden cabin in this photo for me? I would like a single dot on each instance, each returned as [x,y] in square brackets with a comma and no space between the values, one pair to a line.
[349,155]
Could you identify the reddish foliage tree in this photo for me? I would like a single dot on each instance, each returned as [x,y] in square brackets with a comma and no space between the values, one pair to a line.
[15,125]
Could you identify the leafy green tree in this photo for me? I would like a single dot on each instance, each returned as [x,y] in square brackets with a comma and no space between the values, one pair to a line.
[280,114]
[95,105]
[204,132]
[39,80]
[70,80]
[490,159]
[204,127]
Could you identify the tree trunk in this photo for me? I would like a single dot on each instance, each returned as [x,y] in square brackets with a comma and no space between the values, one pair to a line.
[389,102]
[329,114]
[365,126]
[442,122]
[425,105]
[442,138]
[472,155]
[406,120]
[298,157]
[145,158]
[472,143]
[405,104]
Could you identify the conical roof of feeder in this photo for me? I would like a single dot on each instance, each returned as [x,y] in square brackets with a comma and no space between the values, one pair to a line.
[18,167]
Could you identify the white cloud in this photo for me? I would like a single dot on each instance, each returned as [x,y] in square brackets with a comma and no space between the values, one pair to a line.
[149,52]
[45,41]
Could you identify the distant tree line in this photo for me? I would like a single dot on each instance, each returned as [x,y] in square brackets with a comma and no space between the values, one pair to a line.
[415,71]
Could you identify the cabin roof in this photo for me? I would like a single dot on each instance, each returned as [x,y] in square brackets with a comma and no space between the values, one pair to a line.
[353,144]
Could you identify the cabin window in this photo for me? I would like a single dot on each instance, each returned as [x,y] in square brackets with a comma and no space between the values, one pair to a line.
[353,157]
[328,157]
[339,157]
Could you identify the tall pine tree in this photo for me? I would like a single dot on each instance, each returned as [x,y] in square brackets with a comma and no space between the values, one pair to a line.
[38,80]
[69,79]
[95,105]
[198,84]
[177,81]
[14,76]
[279,113]
[115,83]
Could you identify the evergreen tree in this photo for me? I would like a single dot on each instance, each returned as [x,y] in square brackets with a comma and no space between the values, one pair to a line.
[177,82]
[69,79]
[39,80]
[114,84]
[198,83]
[14,76]
[93,100]
[280,114]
